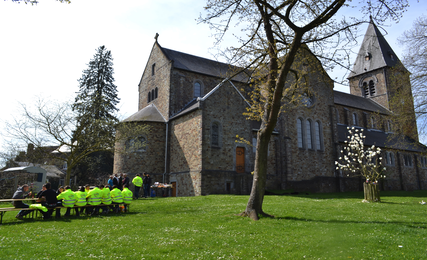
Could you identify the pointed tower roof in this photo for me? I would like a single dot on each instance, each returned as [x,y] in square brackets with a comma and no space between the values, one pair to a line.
[374,53]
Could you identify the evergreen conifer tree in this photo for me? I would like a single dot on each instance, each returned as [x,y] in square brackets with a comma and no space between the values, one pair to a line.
[95,105]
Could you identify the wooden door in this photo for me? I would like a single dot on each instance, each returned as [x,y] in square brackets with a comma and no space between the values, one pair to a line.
[173,189]
[240,159]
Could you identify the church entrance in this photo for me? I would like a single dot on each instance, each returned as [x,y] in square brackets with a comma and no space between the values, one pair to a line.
[240,159]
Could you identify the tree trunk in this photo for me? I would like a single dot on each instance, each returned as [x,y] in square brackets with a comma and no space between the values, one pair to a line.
[371,192]
[254,206]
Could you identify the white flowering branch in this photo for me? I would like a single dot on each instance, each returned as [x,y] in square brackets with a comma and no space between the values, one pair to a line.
[356,159]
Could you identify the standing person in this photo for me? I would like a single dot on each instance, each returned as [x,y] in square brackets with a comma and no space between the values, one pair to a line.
[94,199]
[115,180]
[81,199]
[137,181]
[106,199]
[68,199]
[110,182]
[147,185]
[125,180]
[21,193]
[127,197]
[120,184]
[48,199]
[117,197]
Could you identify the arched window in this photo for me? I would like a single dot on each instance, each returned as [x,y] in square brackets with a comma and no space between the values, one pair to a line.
[355,119]
[371,87]
[373,125]
[155,92]
[215,134]
[300,133]
[197,89]
[138,144]
[149,97]
[318,132]
[152,94]
[308,135]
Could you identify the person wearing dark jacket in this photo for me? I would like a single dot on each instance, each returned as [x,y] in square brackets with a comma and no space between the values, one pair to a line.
[48,199]
[126,179]
[147,185]
[21,193]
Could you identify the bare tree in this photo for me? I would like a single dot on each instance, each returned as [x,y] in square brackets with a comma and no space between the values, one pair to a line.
[275,32]
[55,124]
[415,60]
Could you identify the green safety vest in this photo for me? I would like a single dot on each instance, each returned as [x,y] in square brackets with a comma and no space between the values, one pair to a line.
[38,206]
[81,198]
[106,197]
[68,198]
[116,195]
[137,181]
[94,196]
[127,195]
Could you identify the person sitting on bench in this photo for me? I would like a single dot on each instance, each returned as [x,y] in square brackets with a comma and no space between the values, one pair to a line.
[20,193]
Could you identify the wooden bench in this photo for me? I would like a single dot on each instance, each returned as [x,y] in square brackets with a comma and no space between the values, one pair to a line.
[4,210]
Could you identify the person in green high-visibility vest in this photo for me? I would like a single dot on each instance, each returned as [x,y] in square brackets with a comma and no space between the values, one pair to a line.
[127,197]
[137,181]
[106,198]
[68,199]
[94,198]
[117,197]
[81,199]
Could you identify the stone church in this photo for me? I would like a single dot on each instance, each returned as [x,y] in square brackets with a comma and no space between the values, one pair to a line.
[195,113]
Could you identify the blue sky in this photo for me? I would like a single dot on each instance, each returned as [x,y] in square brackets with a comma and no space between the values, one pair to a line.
[44,48]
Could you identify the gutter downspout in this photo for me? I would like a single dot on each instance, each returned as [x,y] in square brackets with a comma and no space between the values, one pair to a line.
[166,151]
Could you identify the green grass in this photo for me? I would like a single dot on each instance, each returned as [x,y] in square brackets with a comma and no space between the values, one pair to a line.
[314,226]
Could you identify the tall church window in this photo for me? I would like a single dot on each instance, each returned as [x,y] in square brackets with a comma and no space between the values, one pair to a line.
[149,97]
[389,158]
[355,120]
[197,89]
[215,134]
[153,67]
[308,135]
[373,125]
[155,92]
[389,126]
[407,160]
[318,136]
[300,133]
[152,94]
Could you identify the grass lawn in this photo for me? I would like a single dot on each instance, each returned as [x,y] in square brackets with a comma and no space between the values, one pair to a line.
[315,226]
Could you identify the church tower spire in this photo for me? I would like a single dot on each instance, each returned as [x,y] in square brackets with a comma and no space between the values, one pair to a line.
[379,75]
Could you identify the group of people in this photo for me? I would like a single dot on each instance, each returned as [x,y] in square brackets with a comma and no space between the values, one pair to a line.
[99,197]
[122,179]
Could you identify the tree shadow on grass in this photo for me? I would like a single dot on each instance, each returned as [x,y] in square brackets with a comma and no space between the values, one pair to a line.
[422,225]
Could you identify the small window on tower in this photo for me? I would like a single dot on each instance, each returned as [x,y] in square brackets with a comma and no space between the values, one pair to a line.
[371,87]
[367,56]
[153,67]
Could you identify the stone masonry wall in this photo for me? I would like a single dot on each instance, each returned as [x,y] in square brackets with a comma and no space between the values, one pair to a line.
[186,152]
[160,80]
[152,160]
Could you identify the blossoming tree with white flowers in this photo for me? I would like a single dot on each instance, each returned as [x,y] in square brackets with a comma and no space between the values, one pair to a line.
[356,159]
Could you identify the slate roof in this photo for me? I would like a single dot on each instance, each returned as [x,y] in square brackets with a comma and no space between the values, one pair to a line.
[201,65]
[380,52]
[384,140]
[149,113]
[354,101]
